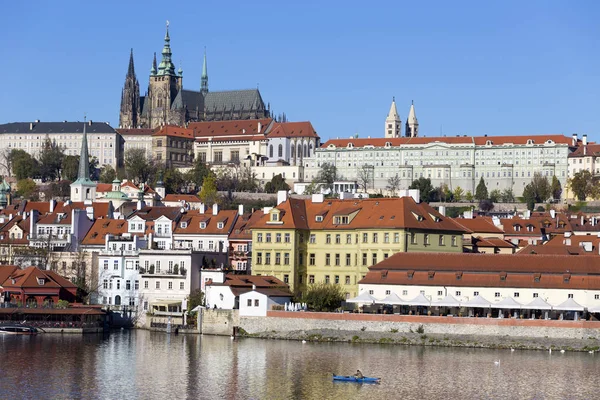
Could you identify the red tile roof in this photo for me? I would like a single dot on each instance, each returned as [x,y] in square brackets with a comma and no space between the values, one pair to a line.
[192,223]
[585,151]
[174,131]
[101,228]
[28,278]
[560,250]
[292,129]
[479,225]
[231,128]
[242,229]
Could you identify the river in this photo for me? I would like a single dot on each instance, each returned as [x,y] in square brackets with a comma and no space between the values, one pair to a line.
[149,365]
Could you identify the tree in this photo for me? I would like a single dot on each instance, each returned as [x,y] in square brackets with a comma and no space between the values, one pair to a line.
[137,165]
[277,183]
[323,296]
[507,196]
[555,188]
[107,174]
[209,194]
[195,299]
[481,192]
[70,167]
[247,181]
[424,186]
[582,184]
[393,184]
[26,188]
[23,164]
[6,160]
[50,158]
[486,205]
[469,196]
[173,180]
[60,189]
[495,195]
[327,175]
[529,197]
[197,174]
[541,188]
[365,176]
[458,194]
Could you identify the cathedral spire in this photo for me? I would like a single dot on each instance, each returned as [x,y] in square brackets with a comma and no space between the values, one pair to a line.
[204,78]
[153,70]
[412,124]
[131,69]
[393,125]
[83,174]
[166,66]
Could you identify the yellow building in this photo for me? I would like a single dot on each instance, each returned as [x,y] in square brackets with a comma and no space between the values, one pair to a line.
[304,241]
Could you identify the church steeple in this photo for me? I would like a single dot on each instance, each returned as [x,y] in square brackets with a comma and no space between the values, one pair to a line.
[393,125]
[130,98]
[131,69]
[166,66]
[83,173]
[204,78]
[83,188]
[412,124]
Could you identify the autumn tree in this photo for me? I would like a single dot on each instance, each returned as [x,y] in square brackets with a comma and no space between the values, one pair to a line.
[27,188]
[582,185]
[209,194]
[458,194]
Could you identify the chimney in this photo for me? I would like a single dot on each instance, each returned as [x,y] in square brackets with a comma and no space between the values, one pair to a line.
[574,141]
[442,210]
[259,126]
[215,209]
[317,198]
[282,196]
[415,194]
[31,126]
[582,220]
[584,139]
[254,286]
[202,208]
[140,205]
[552,214]
[241,209]
[90,122]
[150,241]
[568,234]
[587,246]
[52,203]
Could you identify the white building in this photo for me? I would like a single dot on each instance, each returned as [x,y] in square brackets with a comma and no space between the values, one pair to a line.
[257,302]
[136,139]
[227,294]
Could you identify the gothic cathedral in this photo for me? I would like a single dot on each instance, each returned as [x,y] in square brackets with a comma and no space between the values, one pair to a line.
[167,102]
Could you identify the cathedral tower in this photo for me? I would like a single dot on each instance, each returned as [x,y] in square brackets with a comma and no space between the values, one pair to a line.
[129,116]
[393,125]
[412,125]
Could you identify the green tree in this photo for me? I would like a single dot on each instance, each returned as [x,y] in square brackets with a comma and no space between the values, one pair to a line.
[529,197]
[507,196]
[247,181]
[556,188]
[137,165]
[495,195]
[582,184]
[425,188]
[541,188]
[481,192]
[209,194]
[277,183]
[173,180]
[458,194]
[107,174]
[198,172]
[23,164]
[469,196]
[70,167]
[195,299]
[486,205]
[327,175]
[323,296]
[50,160]
[27,188]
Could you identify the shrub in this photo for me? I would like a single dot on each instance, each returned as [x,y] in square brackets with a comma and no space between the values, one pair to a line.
[420,329]
[323,296]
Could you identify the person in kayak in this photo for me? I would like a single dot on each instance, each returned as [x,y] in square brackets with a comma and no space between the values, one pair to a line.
[358,374]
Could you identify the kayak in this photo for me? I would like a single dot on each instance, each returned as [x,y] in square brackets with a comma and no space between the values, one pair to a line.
[364,379]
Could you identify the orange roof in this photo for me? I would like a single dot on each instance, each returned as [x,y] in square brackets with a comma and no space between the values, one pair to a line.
[561,250]
[243,226]
[575,240]
[103,187]
[192,223]
[6,271]
[479,225]
[231,128]
[522,139]
[28,278]
[396,213]
[55,219]
[174,131]
[492,242]
[130,184]
[585,151]
[101,228]
[292,129]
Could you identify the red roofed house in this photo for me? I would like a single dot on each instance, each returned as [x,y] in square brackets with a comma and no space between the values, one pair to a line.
[34,287]
[173,146]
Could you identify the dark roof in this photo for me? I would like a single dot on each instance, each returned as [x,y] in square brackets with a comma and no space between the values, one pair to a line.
[56,127]
[233,100]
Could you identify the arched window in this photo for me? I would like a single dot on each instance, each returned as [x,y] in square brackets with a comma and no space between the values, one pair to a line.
[305,150]
[299,150]
[48,301]
[293,151]
[280,151]
[31,302]
[310,149]
[271,151]
[117,300]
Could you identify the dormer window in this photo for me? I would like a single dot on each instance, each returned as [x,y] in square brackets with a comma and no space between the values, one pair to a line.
[566,278]
[341,220]
[537,277]
[388,145]
[529,228]
[275,217]
[459,276]
[220,225]
[202,225]
[417,216]
[319,218]
[530,141]
[184,225]
[41,281]
[517,228]
[350,145]
[503,276]
[488,143]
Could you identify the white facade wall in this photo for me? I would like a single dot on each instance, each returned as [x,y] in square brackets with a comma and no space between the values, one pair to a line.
[586,298]
[291,174]
[220,296]
[254,304]
[138,142]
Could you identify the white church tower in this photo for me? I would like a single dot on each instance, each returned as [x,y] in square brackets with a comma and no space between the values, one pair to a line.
[393,125]
[83,188]
[412,125]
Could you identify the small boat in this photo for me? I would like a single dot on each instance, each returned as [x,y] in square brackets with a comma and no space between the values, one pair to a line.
[18,329]
[352,378]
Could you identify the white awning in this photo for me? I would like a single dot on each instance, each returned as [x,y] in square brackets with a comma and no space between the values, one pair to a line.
[537,304]
[165,303]
[507,302]
[477,302]
[364,297]
[568,305]
[392,299]
[448,301]
[594,309]
[420,300]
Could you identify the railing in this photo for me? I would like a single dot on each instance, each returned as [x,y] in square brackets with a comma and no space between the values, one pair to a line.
[160,325]
[119,253]
[167,313]
[51,236]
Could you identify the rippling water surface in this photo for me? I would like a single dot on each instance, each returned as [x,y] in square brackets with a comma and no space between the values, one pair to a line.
[147,365]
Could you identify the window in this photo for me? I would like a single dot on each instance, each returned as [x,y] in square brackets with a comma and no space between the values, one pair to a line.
[497,294]
[516,294]
[396,237]
[454,241]
[441,240]
[458,293]
[118,285]
[300,259]
[286,258]
[158,284]
[259,237]
[348,238]
[570,295]
[256,302]
[259,258]
[249,303]
[476,293]
[277,258]
[313,238]
[327,259]
[348,280]
[347,259]
[268,258]
[278,237]
[597,297]
[105,264]
[337,279]
[326,278]
[170,285]
[268,238]
[338,239]
[426,239]
[311,279]
[535,295]
[145,284]
[375,237]
[405,293]
[413,238]
[286,238]
[364,259]
[386,238]
[374,258]
[337,259]
[311,259]
[128,285]
[116,264]
[328,238]
[136,285]
[105,284]
[371,292]
[286,278]
[440,293]
[365,237]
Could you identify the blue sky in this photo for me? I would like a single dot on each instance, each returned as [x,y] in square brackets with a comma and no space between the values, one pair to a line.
[511,67]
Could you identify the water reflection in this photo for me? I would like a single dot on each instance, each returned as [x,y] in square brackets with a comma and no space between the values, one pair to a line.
[145,365]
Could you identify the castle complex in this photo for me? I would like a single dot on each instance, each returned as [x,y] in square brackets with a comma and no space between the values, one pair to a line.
[167,103]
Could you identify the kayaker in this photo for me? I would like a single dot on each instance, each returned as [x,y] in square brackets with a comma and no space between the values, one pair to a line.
[358,374]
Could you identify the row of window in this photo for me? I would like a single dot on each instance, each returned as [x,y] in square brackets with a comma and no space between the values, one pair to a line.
[108,284]
[476,293]
[278,237]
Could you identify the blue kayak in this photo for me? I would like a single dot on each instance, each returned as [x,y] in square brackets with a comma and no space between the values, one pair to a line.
[364,379]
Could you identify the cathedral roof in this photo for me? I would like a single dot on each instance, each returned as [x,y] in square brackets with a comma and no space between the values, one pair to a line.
[228,100]
[55,127]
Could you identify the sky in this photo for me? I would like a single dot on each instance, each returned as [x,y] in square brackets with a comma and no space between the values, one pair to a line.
[471,67]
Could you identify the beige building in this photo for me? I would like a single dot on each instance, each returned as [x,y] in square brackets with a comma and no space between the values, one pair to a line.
[173,145]
[137,139]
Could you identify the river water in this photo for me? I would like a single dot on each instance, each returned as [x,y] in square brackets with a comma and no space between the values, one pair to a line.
[151,365]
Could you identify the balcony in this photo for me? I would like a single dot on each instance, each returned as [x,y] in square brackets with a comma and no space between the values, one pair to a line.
[119,253]
[162,234]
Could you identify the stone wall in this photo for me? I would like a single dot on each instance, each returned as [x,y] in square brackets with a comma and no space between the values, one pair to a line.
[219,322]
[282,321]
